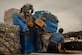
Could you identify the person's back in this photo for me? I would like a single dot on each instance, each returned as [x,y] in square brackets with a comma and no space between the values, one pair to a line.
[57,38]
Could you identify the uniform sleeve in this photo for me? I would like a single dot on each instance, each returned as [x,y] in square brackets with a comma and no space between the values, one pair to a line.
[62,39]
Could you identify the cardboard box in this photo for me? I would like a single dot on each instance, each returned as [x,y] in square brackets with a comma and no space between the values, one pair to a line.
[39,22]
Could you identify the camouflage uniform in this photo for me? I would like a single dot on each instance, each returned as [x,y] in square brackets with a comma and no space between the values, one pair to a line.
[27,10]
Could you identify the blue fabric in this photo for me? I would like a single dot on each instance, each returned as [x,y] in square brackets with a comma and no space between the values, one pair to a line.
[38,14]
[28,42]
[57,38]
[17,20]
[52,23]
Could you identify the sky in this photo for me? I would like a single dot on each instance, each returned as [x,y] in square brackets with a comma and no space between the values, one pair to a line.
[68,12]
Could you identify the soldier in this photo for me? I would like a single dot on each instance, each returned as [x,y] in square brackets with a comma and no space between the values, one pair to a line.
[27,10]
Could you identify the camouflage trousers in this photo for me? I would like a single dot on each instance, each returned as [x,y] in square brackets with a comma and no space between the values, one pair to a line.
[44,37]
[45,40]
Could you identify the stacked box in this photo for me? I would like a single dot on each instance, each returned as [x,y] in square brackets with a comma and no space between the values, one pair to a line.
[9,39]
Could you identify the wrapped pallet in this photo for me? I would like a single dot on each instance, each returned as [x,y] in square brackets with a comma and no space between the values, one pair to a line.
[8,15]
[9,39]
